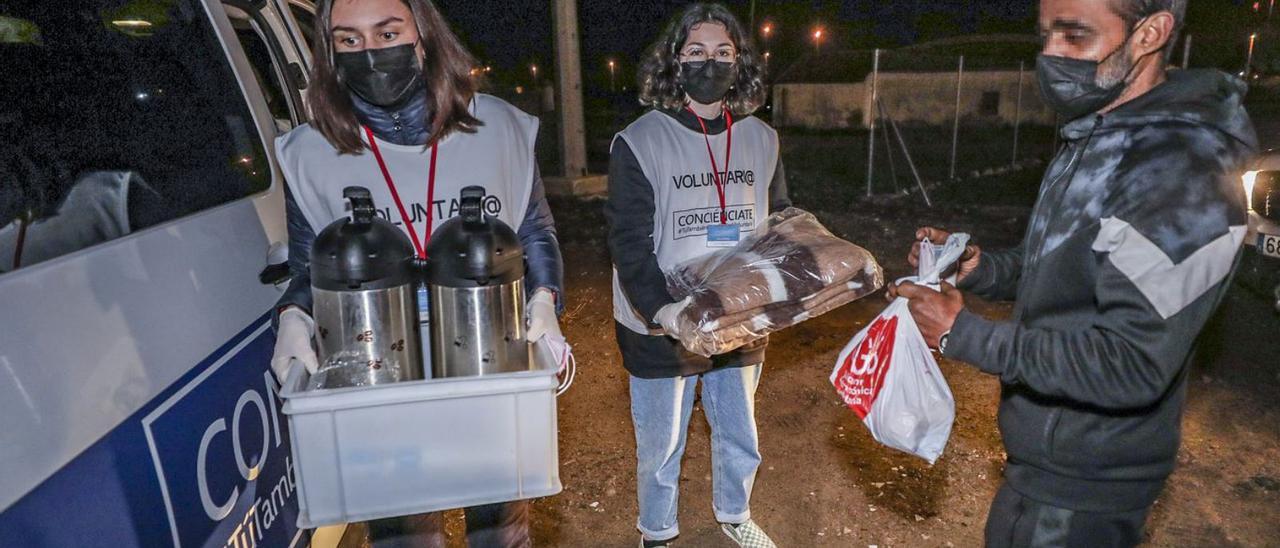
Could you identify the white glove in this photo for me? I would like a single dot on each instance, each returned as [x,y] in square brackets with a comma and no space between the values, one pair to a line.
[541,315]
[293,341]
[669,316]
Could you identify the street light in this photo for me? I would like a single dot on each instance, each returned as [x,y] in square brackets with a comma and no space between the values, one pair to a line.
[613,87]
[766,31]
[1248,63]
[818,33]
[534,70]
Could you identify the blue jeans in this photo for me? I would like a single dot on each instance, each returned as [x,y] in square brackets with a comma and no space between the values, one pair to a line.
[660,410]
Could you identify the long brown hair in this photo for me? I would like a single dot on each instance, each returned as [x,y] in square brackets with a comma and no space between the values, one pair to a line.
[446,71]
[660,70]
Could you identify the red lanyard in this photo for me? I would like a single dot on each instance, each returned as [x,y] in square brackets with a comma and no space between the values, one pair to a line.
[420,246]
[728,149]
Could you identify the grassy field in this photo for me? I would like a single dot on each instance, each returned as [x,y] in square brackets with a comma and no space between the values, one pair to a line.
[829,169]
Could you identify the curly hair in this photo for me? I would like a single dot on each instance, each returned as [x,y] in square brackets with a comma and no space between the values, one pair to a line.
[660,70]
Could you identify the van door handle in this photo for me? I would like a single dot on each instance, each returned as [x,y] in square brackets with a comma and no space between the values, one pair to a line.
[277,270]
[274,274]
[298,76]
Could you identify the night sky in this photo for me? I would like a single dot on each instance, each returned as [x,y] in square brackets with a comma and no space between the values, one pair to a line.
[511,34]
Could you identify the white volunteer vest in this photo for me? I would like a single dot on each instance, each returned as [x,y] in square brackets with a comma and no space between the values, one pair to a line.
[498,156]
[675,161]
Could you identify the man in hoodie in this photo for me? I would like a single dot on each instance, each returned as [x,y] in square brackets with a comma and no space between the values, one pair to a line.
[1130,248]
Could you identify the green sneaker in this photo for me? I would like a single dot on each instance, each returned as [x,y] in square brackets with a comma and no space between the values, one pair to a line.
[748,535]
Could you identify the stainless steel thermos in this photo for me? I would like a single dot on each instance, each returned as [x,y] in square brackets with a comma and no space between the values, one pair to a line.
[475,271]
[363,274]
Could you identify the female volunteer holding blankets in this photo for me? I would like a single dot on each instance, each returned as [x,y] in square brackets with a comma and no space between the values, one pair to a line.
[394,108]
[691,175]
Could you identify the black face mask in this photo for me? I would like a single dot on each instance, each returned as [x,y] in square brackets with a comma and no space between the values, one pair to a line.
[707,81]
[1070,86]
[384,77]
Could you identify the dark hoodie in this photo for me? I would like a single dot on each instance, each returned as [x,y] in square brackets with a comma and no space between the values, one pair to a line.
[1130,248]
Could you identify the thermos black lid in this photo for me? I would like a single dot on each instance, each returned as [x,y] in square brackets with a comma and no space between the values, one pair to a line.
[362,252]
[474,249]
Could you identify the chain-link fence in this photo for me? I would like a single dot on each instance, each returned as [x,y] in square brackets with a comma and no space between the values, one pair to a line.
[894,121]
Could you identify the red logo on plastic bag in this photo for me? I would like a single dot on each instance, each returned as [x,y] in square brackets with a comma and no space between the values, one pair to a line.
[861,376]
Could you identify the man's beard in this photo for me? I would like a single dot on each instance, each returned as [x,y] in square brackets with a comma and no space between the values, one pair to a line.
[1114,71]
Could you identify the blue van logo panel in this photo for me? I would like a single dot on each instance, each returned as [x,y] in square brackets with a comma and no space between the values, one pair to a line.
[206,463]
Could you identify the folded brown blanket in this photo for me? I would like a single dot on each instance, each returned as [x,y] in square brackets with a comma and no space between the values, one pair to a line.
[790,270]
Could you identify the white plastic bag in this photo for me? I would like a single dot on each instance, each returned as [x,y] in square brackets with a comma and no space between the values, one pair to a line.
[888,376]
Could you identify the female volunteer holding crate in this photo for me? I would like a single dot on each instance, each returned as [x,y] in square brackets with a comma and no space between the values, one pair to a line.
[691,175]
[395,109]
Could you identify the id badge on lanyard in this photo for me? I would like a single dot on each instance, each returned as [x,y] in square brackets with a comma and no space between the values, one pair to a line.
[723,234]
[424,326]
[420,246]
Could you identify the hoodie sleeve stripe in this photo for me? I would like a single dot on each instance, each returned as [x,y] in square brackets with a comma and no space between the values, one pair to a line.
[1167,286]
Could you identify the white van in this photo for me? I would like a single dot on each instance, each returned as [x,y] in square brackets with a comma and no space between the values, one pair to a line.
[139,203]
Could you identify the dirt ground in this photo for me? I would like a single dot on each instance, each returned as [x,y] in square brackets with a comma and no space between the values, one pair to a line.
[825,482]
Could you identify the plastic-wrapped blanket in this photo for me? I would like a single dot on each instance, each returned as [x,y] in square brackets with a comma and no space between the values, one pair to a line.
[791,269]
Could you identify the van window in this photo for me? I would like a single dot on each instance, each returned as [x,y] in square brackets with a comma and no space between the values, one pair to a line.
[265,69]
[306,18]
[118,115]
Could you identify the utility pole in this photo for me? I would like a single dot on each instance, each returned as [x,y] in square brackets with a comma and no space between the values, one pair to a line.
[1017,116]
[573,139]
[871,108]
[955,129]
[1186,53]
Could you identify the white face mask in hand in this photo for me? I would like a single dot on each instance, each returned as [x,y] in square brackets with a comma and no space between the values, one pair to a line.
[929,255]
[553,348]
[936,259]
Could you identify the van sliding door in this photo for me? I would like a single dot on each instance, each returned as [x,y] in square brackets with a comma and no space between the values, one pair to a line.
[136,405]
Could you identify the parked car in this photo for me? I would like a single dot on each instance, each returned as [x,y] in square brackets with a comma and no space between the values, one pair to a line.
[1260,270]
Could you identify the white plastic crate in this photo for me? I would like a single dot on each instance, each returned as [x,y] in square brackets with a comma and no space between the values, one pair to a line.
[421,446]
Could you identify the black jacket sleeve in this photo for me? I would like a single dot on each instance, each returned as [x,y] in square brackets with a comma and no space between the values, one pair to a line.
[997,275]
[629,211]
[778,197]
[537,234]
[301,236]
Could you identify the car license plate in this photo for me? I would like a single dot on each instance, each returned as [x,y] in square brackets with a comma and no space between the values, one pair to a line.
[1269,245]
